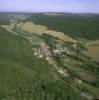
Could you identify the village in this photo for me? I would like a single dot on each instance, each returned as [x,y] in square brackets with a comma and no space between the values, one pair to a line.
[43,52]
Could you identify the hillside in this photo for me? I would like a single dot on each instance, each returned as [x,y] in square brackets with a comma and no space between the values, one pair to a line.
[24,77]
[74,25]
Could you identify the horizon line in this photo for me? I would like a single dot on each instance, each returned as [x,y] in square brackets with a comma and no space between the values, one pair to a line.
[48,12]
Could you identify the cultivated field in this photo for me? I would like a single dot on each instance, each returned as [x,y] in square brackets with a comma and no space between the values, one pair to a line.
[40,29]
[93,49]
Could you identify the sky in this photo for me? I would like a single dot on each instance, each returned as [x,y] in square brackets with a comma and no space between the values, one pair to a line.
[74,6]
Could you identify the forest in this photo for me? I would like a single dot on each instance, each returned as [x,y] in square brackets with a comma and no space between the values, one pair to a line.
[86,27]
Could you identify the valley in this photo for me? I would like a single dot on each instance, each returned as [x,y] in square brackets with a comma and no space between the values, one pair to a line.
[41,63]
